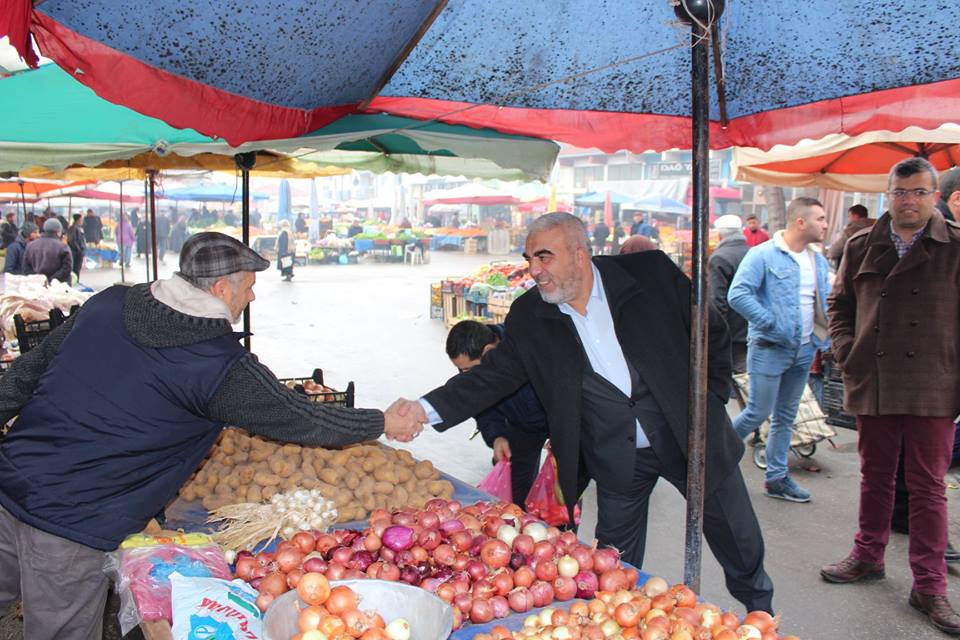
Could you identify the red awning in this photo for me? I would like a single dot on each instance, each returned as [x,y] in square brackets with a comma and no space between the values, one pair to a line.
[724,193]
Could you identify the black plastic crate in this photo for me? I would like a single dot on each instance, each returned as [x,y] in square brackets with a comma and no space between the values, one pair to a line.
[833,397]
[31,334]
[345,398]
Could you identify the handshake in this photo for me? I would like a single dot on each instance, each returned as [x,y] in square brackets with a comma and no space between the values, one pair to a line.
[404,420]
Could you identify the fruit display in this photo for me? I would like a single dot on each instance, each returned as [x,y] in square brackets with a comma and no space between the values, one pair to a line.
[498,274]
[654,612]
[488,560]
[357,479]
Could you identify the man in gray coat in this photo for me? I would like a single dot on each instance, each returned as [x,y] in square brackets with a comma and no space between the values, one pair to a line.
[49,255]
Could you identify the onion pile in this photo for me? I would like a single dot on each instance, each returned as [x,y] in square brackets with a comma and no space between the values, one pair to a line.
[487,560]
[654,612]
[333,612]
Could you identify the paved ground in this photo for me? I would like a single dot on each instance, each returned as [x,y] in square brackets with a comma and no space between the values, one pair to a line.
[370,323]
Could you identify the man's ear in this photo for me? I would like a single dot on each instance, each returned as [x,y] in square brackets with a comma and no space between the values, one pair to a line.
[487,348]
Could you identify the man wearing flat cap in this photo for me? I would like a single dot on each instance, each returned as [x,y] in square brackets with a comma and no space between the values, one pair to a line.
[49,255]
[151,374]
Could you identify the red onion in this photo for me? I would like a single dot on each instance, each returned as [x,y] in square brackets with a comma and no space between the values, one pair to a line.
[542,593]
[289,559]
[429,539]
[428,520]
[293,578]
[587,584]
[346,537]
[435,504]
[398,538]
[325,542]
[444,554]
[500,606]
[244,554]
[353,574]
[451,526]
[341,555]
[524,577]
[446,592]
[255,583]
[605,559]
[454,505]
[442,572]
[546,570]
[335,571]
[614,580]
[389,572]
[520,600]
[464,602]
[245,567]
[405,558]
[461,562]
[387,554]
[523,544]
[503,581]
[481,611]
[264,558]
[315,565]
[476,569]
[584,557]
[517,560]
[404,518]
[430,584]
[564,588]
[471,523]
[543,551]
[409,575]
[461,540]
[361,560]
[495,553]
[484,589]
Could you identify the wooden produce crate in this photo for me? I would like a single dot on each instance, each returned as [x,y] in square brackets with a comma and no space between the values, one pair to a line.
[453,306]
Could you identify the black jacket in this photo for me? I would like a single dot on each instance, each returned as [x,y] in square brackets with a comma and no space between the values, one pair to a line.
[650,302]
[50,256]
[722,267]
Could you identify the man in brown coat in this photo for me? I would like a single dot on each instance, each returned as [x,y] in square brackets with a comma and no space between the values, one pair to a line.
[859,218]
[895,323]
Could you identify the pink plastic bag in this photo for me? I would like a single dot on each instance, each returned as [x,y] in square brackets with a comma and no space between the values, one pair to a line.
[497,482]
[545,500]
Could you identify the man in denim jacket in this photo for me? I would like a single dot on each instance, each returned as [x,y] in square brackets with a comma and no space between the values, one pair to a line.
[781,289]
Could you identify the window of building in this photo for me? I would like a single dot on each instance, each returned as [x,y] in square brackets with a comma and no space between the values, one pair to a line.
[583,177]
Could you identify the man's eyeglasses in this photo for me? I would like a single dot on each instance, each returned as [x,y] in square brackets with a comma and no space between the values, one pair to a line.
[916,193]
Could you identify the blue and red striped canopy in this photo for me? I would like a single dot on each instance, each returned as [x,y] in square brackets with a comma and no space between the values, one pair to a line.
[594,73]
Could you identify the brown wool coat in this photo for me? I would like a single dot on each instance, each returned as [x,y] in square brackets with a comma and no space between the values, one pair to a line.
[895,323]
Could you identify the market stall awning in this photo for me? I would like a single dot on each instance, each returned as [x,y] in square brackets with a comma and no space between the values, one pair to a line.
[470,194]
[598,198]
[97,194]
[63,124]
[207,193]
[13,189]
[848,163]
[658,204]
[247,70]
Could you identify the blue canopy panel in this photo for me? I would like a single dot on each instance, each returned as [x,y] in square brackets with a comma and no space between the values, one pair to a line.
[776,54]
[293,53]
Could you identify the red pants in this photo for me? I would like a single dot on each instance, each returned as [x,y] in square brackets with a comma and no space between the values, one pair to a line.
[927,445]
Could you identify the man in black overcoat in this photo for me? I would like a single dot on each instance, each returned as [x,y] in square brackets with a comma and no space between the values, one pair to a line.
[605,344]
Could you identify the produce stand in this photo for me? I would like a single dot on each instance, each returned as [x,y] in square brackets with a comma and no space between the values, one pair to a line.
[484,296]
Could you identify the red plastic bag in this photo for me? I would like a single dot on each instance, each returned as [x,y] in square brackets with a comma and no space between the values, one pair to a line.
[545,500]
[497,482]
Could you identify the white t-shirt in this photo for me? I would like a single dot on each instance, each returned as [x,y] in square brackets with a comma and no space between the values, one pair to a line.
[808,293]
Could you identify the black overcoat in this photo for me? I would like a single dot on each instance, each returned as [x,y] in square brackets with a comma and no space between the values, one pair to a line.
[649,298]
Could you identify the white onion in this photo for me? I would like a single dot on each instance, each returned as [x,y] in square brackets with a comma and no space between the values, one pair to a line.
[399,629]
[506,534]
[561,633]
[288,531]
[748,632]
[536,530]
[229,555]
[546,617]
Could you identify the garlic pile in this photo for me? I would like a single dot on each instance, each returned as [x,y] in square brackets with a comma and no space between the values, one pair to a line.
[241,526]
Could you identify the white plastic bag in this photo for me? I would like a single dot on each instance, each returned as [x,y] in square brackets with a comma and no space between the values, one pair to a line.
[213,608]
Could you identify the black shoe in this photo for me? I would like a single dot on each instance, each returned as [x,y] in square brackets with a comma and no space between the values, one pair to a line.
[951,555]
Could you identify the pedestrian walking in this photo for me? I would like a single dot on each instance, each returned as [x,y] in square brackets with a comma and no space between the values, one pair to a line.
[859,218]
[722,267]
[93,228]
[8,230]
[600,234]
[125,238]
[896,335]
[77,242]
[286,251]
[781,288]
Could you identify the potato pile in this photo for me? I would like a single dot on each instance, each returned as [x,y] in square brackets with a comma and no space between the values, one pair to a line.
[359,478]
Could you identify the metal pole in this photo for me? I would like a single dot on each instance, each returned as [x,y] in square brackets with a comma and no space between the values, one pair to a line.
[703,13]
[153,224]
[123,274]
[245,162]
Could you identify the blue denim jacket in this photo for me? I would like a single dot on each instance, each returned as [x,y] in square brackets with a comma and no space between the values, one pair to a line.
[766,291]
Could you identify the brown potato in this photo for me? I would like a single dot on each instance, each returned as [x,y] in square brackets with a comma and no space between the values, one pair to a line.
[330,476]
[254,494]
[383,487]
[268,492]
[423,469]
[266,479]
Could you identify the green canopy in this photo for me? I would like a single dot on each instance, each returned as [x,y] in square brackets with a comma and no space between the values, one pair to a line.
[52,121]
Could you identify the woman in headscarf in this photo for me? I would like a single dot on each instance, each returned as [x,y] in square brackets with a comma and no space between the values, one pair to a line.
[285,251]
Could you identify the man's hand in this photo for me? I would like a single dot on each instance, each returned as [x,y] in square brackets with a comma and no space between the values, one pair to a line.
[501,449]
[403,420]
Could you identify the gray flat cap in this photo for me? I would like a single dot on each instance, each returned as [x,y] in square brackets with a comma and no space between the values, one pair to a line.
[211,255]
[52,224]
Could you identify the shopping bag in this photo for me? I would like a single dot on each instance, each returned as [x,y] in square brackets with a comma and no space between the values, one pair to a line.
[545,499]
[286,261]
[497,482]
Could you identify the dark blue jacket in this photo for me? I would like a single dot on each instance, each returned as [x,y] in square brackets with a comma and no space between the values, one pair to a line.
[522,410]
[13,263]
[95,472]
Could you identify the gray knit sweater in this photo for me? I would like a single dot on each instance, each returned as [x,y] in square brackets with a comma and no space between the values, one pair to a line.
[250,396]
